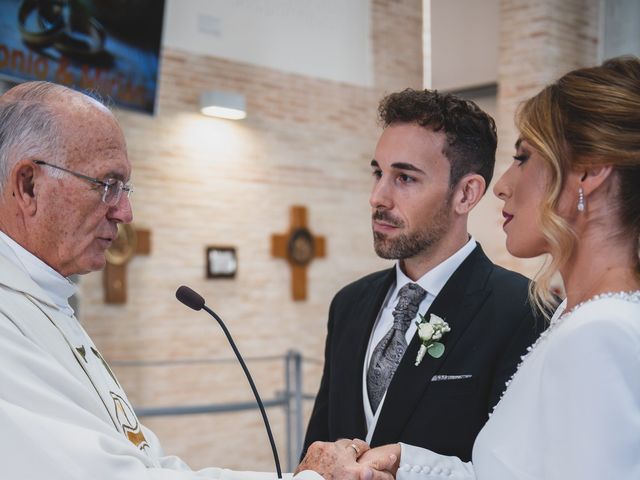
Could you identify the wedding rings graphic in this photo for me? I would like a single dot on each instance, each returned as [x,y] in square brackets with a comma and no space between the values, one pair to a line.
[65,25]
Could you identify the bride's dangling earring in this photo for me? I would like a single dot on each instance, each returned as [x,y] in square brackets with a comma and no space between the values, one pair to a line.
[581,204]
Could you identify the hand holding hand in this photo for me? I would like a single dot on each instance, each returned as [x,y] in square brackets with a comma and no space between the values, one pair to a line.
[339,461]
[385,458]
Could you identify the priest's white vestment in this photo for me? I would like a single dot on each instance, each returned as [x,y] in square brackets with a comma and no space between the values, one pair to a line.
[63,414]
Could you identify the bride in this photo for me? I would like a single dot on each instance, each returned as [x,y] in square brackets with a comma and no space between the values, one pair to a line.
[572,410]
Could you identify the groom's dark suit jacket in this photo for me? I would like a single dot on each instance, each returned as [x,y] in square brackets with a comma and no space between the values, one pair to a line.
[491,324]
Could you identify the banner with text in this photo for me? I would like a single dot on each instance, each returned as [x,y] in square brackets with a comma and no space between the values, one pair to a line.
[107,46]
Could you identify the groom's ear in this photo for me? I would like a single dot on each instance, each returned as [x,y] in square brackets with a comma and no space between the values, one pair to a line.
[467,193]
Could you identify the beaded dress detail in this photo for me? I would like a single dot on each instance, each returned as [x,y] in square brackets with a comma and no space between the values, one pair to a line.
[559,317]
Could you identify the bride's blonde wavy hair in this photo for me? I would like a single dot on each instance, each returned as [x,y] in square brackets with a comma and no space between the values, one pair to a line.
[589,117]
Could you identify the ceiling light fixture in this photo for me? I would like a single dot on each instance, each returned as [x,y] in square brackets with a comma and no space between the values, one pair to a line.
[218,103]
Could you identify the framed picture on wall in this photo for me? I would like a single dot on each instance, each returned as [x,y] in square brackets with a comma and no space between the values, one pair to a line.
[221,262]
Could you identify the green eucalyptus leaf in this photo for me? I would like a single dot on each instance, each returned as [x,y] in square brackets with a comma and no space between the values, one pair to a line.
[436,349]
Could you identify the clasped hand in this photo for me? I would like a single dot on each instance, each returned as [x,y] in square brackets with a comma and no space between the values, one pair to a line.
[351,460]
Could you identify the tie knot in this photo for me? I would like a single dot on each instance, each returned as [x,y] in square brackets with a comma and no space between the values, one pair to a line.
[409,298]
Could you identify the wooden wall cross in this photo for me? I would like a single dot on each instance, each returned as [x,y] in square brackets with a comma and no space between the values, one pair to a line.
[298,246]
[129,242]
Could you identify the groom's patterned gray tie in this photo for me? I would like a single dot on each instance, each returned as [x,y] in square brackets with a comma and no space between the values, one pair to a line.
[389,351]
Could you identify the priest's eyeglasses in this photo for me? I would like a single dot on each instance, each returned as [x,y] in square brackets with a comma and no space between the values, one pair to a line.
[112,188]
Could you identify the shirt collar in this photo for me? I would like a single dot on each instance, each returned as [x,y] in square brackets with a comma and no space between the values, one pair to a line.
[434,280]
[59,288]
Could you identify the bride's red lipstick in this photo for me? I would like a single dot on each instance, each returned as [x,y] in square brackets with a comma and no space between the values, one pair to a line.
[508,217]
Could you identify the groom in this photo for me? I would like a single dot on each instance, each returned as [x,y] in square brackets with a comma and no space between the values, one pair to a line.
[432,165]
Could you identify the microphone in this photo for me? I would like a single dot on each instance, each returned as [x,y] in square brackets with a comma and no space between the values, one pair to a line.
[192,300]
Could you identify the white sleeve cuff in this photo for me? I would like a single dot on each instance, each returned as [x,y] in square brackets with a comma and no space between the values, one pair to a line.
[421,464]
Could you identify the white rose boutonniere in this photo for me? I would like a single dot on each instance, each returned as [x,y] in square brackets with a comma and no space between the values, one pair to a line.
[430,332]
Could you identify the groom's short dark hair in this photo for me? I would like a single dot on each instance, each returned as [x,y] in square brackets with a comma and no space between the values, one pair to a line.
[470,132]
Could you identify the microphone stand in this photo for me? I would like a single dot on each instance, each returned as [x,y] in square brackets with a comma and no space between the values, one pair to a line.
[253,387]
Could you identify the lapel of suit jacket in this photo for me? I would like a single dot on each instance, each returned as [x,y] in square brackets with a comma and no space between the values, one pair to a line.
[351,418]
[457,303]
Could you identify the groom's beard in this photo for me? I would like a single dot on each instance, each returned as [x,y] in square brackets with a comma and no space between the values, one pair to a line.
[414,242]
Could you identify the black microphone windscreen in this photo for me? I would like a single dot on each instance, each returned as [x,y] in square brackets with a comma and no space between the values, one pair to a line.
[190,298]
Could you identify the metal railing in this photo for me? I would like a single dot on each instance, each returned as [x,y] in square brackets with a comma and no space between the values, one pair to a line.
[290,400]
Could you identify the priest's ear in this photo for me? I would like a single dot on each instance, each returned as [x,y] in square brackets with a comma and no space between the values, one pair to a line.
[21,186]
[468,192]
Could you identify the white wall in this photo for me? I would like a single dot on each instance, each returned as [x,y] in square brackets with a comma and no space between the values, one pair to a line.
[620,28]
[327,39]
[463,43]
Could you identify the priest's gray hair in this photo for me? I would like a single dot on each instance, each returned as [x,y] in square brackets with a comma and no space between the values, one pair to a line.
[29,126]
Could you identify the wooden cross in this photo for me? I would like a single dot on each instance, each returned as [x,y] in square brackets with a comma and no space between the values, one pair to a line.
[128,243]
[298,246]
